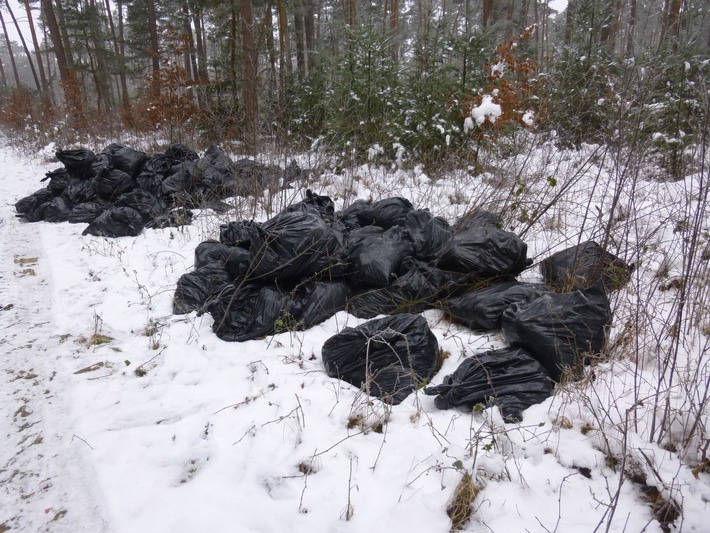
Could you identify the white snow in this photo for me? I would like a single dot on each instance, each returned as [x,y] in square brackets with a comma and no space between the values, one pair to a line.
[255,437]
[487,110]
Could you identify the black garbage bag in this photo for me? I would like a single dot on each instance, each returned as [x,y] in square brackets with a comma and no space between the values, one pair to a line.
[253,177]
[509,378]
[478,218]
[79,191]
[27,205]
[150,182]
[158,164]
[314,302]
[239,233]
[323,206]
[579,267]
[125,158]
[180,183]
[178,153]
[386,213]
[195,288]
[376,256]
[417,290]
[78,162]
[237,263]
[116,222]
[483,309]
[428,233]
[485,253]
[58,180]
[349,215]
[211,252]
[293,246]
[57,210]
[560,330]
[112,183]
[248,312]
[146,204]
[216,175]
[388,358]
[86,212]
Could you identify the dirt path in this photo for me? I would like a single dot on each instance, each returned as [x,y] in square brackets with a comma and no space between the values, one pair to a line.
[41,485]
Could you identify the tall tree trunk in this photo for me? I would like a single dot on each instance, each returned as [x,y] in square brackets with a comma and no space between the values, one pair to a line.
[123,82]
[64,34]
[486,15]
[394,30]
[300,48]
[10,53]
[38,54]
[202,74]
[251,109]
[3,79]
[569,21]
[284,57]
[24,45]
[233,49]
[270,46]
[70,85]
[630,27]
[154,48]
[309,27]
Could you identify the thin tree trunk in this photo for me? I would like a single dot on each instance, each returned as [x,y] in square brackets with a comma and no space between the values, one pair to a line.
[3,79]
[202,74]
[394,30]
[35,44]
[123,83]
[10,53]
[24,45]
[59,12]
[249,97]
[569,21]
[284,57]
[486,15]
[309,28]
[298,27]
[154,48]
[233,49]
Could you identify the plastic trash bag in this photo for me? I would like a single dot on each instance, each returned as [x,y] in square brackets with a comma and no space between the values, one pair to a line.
[238,233]
[428,233]
[388,358]
[116,222]
[485,253]
[78,162]
[376,255]
[509,378]
[211,252]
[248,312]
[27,205]
[178,153]
[195,288]
[85,212]
[579,267]
[56,210]
[417,290]
[349,215]
[483,309]
[112,183]
[58,180]
[158,164]
[125,158]
[314,302]
[386,213]
[146,204]
[323,206]
[79,191]
[293,246]
[560,330]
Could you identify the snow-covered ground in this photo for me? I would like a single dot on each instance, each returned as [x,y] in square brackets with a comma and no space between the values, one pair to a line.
[118,416]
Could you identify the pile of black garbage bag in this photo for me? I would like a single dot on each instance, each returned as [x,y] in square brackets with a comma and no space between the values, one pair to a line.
[387,258]
[120,191]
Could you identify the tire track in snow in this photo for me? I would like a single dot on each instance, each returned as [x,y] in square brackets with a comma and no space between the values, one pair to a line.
[40,472]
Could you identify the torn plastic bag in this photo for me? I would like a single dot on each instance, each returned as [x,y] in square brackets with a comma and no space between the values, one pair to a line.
[145,203]
[417,290]
[56,210]
[483,309]
[509,378]
[178,153]
[293,246]
[116,222]
[125,158]
[85,212]
[579,267]
[386,213]
[195,288]
[429,234]
[112,183]
[323,206]
[239,233]
[560,330]
[484,253]
[477,218]
[58,180]
[248,312]
[376,255]
[78,162]
[27,205]
[388,358]
[316,301]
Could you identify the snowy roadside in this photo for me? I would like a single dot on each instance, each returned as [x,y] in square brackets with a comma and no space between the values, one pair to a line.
[123,417]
